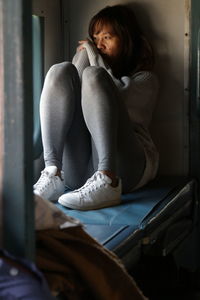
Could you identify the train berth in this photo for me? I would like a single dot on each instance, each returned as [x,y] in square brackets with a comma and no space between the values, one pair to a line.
[158,216]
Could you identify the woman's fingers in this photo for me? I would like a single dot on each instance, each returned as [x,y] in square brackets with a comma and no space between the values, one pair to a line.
[81,42]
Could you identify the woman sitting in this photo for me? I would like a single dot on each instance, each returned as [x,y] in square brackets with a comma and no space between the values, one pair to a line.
[95,113]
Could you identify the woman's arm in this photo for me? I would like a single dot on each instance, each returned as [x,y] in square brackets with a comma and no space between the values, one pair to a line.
[140,96]
[81,61]
[94,57]
[88,55]
[96,60]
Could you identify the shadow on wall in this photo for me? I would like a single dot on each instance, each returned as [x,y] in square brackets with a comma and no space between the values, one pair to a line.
[164,27]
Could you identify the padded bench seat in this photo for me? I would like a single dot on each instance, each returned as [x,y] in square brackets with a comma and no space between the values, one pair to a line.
[161,212]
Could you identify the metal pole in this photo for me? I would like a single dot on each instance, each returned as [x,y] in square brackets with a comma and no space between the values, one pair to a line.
[1,123]
[18,208]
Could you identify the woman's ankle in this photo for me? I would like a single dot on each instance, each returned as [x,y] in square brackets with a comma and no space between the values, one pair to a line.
[112,176]
[58,173]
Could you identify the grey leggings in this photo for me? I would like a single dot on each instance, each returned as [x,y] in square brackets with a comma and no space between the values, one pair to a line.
[85,127]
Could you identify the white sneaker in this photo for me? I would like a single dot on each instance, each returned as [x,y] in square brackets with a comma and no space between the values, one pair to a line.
[96,193]
[49,186]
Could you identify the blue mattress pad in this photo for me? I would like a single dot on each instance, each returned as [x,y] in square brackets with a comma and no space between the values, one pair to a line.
[112,226]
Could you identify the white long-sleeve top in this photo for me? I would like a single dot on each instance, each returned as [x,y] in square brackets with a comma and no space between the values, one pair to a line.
[139,92]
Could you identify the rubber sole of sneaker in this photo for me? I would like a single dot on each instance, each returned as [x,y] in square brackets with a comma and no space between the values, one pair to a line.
[54,199]
[90,207]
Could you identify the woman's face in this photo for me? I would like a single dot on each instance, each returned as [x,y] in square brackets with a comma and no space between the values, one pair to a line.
[108,43]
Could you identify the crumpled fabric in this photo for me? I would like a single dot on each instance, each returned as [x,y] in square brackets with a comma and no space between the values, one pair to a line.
[48,216]
[77,267]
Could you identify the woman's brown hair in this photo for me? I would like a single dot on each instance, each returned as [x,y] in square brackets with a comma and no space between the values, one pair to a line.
[137,52]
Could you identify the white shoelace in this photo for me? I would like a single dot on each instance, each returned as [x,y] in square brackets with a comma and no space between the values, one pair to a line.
[91,184]
[86,184]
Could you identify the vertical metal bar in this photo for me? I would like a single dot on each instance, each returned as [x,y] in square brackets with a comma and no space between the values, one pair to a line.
[18,208]
[65,7]
[198,72]
[1,124]
[195,106]
[194,84]
[38,79]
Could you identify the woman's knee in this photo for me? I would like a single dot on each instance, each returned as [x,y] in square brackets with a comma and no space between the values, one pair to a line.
[61,71]
[92,75]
